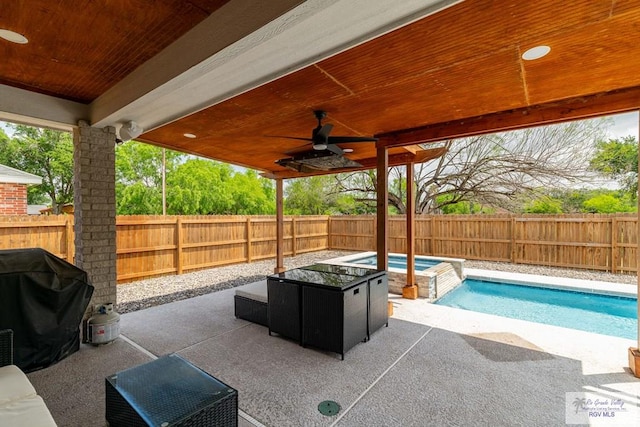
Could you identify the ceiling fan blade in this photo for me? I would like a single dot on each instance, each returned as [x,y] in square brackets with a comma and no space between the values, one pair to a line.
[335,149]
[323,133]
[344,139]
[288,137]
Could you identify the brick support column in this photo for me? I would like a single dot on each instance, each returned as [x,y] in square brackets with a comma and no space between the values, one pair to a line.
[95,208]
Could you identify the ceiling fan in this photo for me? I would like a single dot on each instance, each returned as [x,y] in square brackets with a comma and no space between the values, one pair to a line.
[322,141]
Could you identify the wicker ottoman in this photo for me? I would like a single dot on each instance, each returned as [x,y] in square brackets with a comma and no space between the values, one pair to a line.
[251,302]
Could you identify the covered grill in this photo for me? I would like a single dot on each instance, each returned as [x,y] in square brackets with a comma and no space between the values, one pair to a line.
[42,299]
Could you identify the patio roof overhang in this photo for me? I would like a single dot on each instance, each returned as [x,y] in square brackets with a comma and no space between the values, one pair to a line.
[233,72]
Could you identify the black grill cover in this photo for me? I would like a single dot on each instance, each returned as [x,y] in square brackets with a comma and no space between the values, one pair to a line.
[43,299]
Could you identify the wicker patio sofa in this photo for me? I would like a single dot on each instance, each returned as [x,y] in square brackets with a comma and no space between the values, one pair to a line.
[20,406]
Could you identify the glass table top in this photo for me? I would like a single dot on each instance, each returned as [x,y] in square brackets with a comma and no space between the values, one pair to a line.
[312,277]
[168,389]
[343,269]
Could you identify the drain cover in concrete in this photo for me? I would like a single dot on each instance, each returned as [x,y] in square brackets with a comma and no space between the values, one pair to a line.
[328,408]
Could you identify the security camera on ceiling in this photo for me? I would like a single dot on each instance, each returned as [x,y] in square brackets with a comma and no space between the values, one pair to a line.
[129,131]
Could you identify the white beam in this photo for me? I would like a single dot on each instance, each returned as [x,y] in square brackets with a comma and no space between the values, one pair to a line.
[186,59]
[207,66]
[35,109]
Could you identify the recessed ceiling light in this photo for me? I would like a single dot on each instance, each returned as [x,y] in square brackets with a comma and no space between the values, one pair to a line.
[12,36]
[189,135]
[536,53]
[348,150]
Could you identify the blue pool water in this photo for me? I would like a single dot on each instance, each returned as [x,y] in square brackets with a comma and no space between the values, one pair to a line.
[602,314]
[397,261]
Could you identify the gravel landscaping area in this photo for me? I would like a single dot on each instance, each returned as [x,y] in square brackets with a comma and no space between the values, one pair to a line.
[160,290]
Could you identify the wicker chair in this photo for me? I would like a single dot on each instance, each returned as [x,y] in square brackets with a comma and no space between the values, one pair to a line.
[6,347]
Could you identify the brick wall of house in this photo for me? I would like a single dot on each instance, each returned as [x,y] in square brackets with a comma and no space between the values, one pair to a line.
[13,199]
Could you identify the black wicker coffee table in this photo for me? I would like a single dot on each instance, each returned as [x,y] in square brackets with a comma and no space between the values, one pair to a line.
[169,391]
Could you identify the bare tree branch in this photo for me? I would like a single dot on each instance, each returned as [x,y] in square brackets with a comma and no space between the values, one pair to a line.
[496,170]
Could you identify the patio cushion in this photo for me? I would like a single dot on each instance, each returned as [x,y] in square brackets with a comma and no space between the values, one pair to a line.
[14,385]
[256,291]
[20,406]
[27,412]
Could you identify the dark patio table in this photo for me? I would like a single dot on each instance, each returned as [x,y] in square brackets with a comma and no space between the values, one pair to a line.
[169,391]
[326,306]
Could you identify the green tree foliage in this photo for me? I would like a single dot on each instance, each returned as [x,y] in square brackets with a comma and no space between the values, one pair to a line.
[608,203]
[308,196]
[618,159]
[138,199]
[139,177]
[138,162]
[46,153]
[544,205]
[319,195]
[193,186]
[572,199]
[200,187]
[4,138]
[251,194]
[462,208]
[581,201]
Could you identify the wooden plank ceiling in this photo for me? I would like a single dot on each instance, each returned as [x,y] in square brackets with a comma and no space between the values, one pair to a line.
[457,72]
[78,49]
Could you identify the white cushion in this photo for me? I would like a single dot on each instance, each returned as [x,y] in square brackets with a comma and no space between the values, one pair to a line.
[28,412]
[14,385]
[256,291]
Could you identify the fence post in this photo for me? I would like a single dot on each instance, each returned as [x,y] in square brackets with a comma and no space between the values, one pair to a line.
[70,239]
[248,239]
[513,240]
[329,240]
[432,240]
[179,238]
[293,236]
[614,245]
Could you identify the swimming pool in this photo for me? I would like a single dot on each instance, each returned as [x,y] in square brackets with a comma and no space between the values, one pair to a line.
[433,275]
[397,261]
[602,314]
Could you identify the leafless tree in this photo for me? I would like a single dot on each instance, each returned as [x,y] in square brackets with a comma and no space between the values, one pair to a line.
[493,170]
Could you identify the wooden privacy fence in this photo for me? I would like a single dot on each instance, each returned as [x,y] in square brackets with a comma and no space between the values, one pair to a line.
[152,245]
[594,242]
[156,245]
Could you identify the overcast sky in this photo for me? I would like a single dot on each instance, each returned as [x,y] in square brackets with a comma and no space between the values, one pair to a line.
[625,124]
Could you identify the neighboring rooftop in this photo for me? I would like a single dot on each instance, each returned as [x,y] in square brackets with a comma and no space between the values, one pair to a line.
[15,176]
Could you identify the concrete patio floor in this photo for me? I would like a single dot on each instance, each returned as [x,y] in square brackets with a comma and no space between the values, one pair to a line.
[433,366]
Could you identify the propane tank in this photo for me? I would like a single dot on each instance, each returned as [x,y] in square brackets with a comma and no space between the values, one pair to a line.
[103,327]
